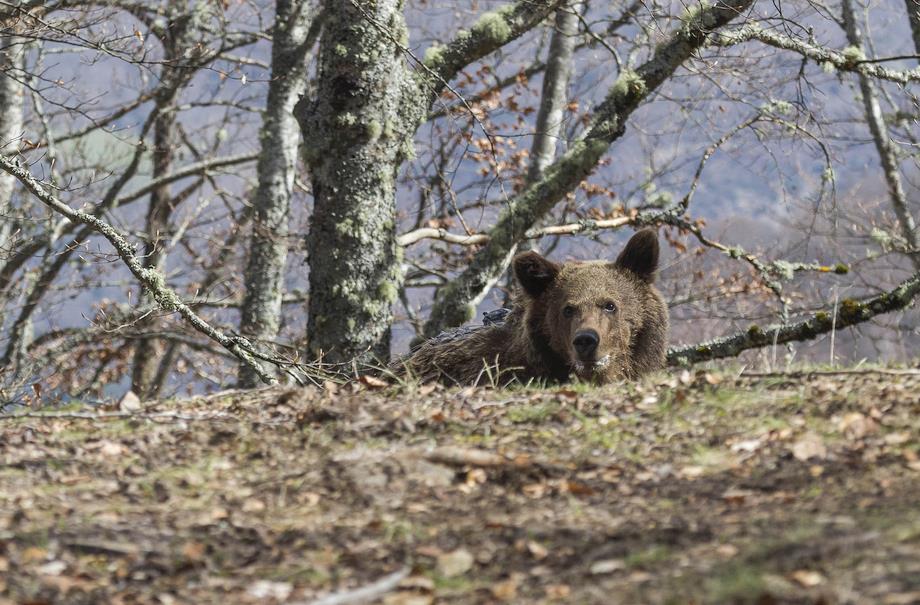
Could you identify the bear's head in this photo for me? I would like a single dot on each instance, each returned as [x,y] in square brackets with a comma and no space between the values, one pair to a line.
[586,316]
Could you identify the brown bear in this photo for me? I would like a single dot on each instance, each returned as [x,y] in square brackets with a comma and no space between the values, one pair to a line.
[595,321]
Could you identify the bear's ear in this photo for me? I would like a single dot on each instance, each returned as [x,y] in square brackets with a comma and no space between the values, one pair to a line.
[641,255]
[534,272]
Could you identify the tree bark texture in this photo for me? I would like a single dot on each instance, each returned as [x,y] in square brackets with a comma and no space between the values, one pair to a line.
[455,303]
[913,16]
[356,134]
[12,72]
[296,26]
[554,95]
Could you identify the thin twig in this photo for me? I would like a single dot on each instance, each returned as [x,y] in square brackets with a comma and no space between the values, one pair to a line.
[153,280]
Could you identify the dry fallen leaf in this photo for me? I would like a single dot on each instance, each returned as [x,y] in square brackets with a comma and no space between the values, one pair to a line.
[406,597]
[455,563]
[253,505]
[577,488]
[810,446]
[857,426]
[111,449]
[736,496]
[807,578]
[691,472]
[507,590]
[417,583]
[193,551]
[749,445]
[538,551]
[372,382]
[52,568]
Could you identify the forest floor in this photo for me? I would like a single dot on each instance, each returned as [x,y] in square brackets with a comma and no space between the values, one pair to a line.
[685,488]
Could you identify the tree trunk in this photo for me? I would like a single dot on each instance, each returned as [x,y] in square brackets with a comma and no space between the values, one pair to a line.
[264,278]
[554,93]
[12,95]
[356,134]
[886,151]
[553,101]
[148,351]
[913,16]
[181,46]
[12,61]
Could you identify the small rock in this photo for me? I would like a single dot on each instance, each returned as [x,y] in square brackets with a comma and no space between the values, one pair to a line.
[129,403]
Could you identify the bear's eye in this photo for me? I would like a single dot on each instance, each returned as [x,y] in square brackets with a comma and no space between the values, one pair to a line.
[610,307]
[568,311]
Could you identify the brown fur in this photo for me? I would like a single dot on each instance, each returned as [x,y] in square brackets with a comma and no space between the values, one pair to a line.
[553,305]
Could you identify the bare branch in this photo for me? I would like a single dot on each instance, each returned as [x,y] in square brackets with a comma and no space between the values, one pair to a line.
[153,280]
[842,61]
[850,312]
[493,30]
[525,209]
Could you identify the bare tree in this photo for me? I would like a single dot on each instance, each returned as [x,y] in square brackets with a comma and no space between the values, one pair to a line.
[883,144]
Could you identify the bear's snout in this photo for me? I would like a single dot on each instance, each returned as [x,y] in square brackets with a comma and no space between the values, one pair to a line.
[585,343]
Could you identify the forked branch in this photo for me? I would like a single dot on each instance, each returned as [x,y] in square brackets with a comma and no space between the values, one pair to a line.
[153,280]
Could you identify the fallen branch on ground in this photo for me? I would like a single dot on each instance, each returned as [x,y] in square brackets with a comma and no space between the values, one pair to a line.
[365,594]
[459,456]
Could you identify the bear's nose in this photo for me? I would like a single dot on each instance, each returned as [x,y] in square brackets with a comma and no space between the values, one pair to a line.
[585,343]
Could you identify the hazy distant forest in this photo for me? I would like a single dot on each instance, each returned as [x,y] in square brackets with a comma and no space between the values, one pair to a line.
[200,194]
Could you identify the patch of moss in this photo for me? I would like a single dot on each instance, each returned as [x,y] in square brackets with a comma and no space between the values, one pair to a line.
[374,130]
[648,558]
[387,291]
[532,413]
[493,27]
[738,584]
[853,54]
[629,83]
[851,309]
[434,56]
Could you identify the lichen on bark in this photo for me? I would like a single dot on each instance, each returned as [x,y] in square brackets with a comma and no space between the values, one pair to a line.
[357,127]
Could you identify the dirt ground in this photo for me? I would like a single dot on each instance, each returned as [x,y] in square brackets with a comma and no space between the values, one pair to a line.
[690,488]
